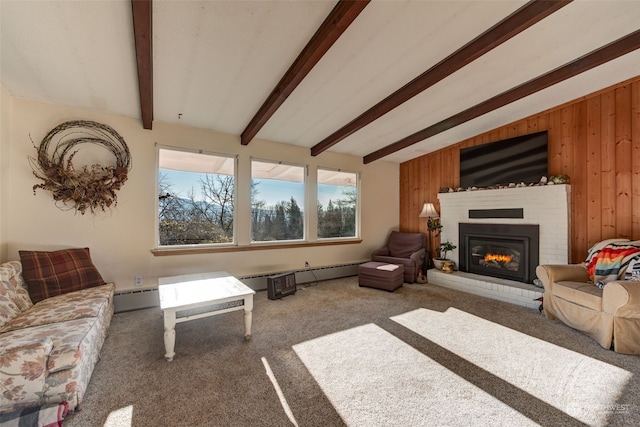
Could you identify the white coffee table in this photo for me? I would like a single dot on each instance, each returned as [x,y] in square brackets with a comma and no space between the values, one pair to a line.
[193,296]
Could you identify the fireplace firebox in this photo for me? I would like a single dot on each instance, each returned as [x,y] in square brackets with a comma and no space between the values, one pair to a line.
[508,251]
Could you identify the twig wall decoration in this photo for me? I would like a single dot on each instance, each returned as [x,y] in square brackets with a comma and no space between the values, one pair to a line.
[92,187]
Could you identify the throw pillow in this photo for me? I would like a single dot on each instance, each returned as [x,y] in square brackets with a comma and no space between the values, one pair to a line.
[58,272]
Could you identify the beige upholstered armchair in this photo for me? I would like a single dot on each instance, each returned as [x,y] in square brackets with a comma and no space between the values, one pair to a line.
[600,297]
[406,249]
[610,315]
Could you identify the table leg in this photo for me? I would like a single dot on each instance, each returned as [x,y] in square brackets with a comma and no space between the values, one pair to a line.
[169,333]
[248,308]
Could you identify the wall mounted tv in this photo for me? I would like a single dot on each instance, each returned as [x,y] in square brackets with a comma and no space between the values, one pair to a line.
[520,159]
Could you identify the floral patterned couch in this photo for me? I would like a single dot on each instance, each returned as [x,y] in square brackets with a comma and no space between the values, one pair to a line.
[48,349]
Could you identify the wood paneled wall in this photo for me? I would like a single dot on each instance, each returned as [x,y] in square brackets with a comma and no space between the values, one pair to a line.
[595,140]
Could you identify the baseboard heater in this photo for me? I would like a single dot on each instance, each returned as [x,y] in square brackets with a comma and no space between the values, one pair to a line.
[307,275]
[136,299]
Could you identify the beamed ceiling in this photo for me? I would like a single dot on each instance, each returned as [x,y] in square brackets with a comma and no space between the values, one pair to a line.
[388,80]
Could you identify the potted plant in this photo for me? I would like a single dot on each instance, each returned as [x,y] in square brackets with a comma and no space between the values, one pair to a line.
[444,248]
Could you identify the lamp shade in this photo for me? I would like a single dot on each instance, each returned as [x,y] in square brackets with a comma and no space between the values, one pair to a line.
[429,211]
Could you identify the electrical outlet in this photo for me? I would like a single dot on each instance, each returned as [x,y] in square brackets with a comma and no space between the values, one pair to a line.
[306,264]
[138,280]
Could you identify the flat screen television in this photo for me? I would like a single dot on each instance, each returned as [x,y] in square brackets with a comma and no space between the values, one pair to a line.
[514,160]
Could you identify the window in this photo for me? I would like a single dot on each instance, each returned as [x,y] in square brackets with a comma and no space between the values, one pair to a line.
[196,194]
[337,204]
[277,201]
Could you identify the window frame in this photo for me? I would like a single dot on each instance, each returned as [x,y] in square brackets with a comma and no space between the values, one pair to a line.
[358,211]
[204,246]
[304,205]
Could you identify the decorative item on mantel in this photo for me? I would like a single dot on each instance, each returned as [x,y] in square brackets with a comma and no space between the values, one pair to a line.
[92,187]
[433,224]
[552,180]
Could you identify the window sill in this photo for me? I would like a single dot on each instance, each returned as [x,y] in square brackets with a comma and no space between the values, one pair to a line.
[247,248]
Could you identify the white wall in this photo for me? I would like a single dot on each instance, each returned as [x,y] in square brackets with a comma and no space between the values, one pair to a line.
[5,116]
[5,125]
[121,240]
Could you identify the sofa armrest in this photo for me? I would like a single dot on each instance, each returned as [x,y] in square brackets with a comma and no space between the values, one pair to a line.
[418,257]
[381,252]
[622,298]
[551,273]
[23,369]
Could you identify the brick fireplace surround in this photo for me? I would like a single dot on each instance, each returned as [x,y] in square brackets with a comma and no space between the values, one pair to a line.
[548,206]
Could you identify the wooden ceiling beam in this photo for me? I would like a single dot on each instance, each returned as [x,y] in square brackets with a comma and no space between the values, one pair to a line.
[523,18]
[142,30]
[342,15]
[591,60]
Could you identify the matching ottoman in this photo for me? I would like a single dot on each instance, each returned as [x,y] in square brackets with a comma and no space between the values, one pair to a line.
[381,275]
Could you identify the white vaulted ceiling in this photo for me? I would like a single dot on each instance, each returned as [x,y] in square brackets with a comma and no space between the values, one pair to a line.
[215,63]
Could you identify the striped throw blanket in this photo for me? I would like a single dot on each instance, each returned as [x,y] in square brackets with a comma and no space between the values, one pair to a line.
[609,260]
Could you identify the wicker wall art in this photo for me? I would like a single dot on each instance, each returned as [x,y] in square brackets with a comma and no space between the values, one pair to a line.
[90,188]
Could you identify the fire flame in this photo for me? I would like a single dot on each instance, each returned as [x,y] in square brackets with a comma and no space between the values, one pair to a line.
[496,257]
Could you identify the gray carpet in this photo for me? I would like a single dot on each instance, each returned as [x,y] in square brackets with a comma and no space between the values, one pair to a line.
[335,354]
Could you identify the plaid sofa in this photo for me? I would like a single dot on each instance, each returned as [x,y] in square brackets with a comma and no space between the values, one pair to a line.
[48,349]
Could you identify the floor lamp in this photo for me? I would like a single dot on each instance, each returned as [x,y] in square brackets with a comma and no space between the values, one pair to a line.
[433,223]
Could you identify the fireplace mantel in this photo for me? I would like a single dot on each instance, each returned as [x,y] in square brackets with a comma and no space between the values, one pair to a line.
[547,206]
